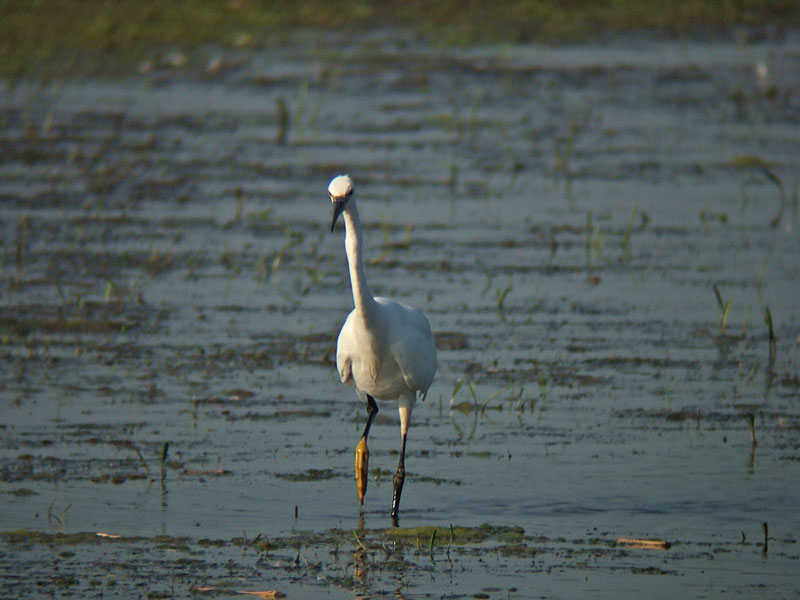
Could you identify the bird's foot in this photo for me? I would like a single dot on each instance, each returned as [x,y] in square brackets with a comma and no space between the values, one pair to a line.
[362,468]
[397,481]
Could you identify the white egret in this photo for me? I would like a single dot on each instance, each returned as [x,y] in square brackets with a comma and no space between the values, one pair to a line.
[385,348]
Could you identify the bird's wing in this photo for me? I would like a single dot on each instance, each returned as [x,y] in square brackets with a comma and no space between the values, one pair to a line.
[412,346]
[344,349]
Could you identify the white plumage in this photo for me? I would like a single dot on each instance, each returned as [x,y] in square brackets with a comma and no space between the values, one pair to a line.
[385,348]
[390,358]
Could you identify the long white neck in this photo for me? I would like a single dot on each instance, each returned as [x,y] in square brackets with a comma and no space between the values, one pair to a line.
[362,297]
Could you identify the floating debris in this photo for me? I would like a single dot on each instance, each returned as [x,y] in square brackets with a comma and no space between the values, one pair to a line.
[645,543]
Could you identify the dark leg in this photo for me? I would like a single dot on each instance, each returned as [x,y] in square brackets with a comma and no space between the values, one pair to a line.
[372,410]
[397,480]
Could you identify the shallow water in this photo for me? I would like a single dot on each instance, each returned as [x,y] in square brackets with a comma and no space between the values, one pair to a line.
[561,215]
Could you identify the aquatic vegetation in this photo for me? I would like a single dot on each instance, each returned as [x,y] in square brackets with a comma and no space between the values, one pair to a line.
[563,154]
[747,162]
[593,243]
[453,170]
[283,121]
[544,384]
[500,295]
[300,109]
[771,329]
[37,36]
[751,422]
[240,202]
[157,261]
[723,308]
[455,535]
[358,557]
[775,179]
[20,248]
[459,384]
[388,246]
[707,216]
[309,475]
[626,236]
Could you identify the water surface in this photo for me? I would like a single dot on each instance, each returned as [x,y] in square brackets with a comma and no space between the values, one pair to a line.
[562,215]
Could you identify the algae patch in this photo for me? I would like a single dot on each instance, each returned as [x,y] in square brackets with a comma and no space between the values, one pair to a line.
[309,475]
[444,536]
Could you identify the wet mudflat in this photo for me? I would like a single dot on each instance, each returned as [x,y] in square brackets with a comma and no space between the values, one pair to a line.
[596,234]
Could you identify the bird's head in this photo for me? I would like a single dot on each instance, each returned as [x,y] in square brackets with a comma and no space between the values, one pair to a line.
[340,189]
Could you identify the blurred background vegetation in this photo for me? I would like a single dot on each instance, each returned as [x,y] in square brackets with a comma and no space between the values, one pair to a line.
[59,37]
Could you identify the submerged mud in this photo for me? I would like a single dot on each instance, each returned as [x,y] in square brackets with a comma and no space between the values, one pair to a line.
[603,238]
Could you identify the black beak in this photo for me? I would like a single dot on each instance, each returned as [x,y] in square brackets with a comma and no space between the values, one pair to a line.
[338,208]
